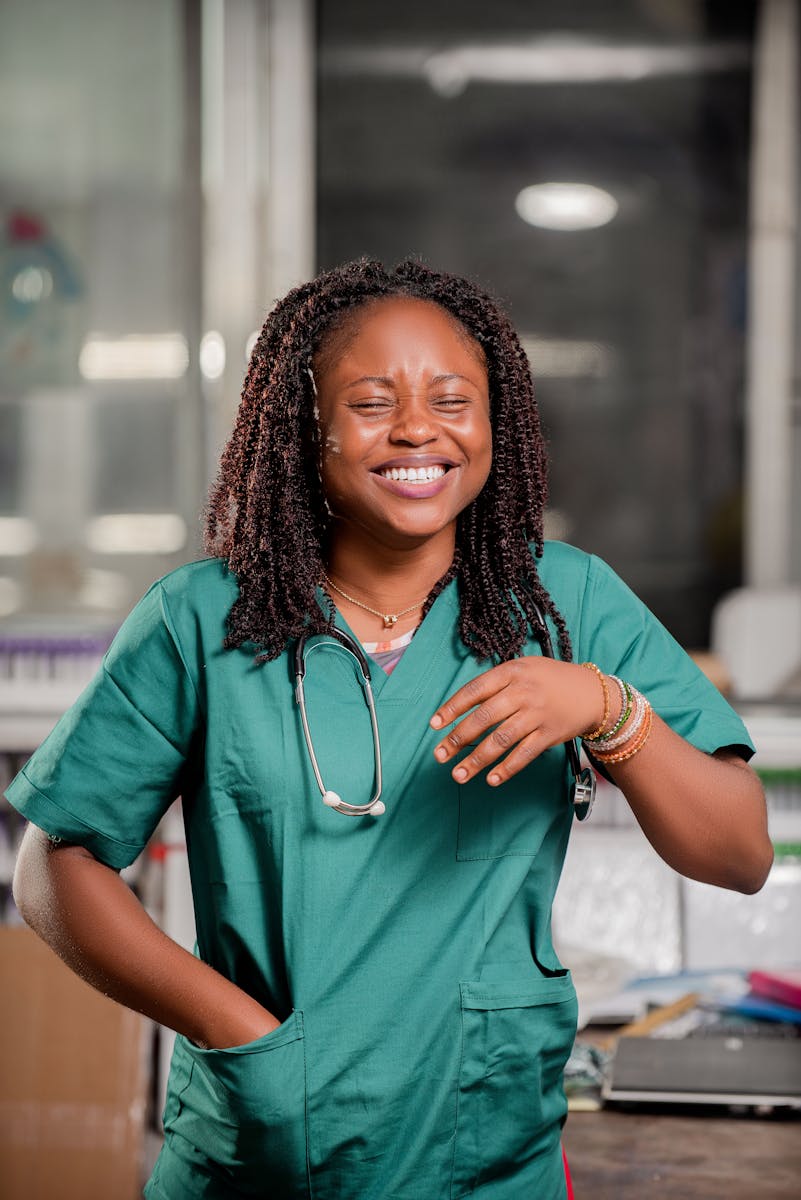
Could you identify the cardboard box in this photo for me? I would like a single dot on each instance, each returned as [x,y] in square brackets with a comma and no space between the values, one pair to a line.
[72,1081]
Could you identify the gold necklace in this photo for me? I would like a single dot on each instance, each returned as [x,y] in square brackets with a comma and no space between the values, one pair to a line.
[389,619]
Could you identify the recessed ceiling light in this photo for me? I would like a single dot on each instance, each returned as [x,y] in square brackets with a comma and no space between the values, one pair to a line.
[565,205]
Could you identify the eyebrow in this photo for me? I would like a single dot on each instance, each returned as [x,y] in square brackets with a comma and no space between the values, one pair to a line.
[385,381]
[382,379]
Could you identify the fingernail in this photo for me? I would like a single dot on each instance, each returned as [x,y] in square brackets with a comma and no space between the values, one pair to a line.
[435,721]
[460,773]
[440,753]
[492,780]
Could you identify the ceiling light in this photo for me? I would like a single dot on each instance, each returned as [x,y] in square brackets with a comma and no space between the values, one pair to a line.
[565,206]
[136,356]
[567,358]
[136,533]
[18,535]
[212,354]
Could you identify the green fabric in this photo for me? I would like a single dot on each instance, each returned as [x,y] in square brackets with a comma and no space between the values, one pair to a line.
[426,1018]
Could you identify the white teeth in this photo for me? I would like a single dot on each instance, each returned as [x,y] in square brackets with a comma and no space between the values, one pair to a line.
[414,474]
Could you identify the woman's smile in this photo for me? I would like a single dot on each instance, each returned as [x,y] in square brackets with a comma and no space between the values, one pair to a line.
[404,399]
[416,477]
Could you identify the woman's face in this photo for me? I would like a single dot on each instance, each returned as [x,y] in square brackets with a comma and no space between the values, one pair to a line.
[403,404]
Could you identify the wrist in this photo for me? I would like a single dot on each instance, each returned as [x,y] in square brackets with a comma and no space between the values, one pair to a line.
[610,706]
[235,1025]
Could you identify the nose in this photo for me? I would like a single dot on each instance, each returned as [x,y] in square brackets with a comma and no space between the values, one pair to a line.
[414,423]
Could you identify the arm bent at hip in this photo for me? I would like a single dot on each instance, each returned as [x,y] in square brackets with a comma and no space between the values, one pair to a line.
[94,922]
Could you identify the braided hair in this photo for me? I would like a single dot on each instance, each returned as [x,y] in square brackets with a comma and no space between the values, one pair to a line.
[267,514]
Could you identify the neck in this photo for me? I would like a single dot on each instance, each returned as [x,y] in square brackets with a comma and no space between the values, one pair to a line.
[388,579]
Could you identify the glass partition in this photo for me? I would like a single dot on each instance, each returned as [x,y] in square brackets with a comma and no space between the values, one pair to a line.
[439,126]
[98,399]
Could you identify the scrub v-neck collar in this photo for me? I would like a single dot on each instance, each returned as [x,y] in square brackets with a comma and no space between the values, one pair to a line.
[409,679]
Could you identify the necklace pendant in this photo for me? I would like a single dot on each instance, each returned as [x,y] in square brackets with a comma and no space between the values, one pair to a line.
[390,619]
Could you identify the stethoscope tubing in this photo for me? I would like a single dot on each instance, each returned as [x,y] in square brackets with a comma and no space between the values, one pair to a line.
[376,806]
[582,790]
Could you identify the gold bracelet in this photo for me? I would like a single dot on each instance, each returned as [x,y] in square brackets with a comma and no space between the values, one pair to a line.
[629,751]
[588,737]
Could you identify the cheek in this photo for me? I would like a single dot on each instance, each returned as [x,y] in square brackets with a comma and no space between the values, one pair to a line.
[483,454]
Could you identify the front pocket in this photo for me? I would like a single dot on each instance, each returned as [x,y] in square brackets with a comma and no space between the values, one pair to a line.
[511,819]
[244,1110]
[516,1039]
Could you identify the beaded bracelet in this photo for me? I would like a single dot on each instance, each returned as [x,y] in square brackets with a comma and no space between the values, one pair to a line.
[631,730]
[630,750]
[626,704]
[596,733]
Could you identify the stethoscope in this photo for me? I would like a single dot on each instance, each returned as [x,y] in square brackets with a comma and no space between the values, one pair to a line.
[581,790]
[331,798]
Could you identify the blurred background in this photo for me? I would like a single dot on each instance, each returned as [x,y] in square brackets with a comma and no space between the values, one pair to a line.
[168,169]
[621,174]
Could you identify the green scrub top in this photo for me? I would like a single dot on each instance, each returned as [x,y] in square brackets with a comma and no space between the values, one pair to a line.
[425,1017]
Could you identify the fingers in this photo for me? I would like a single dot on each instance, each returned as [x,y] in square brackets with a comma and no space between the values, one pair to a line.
[477,691]
[517,698]
[469,731]
[525,746]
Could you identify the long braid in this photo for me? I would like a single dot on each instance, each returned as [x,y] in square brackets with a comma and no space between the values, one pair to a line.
[267,513]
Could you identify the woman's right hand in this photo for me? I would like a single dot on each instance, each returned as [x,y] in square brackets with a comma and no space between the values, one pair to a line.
[247,1022]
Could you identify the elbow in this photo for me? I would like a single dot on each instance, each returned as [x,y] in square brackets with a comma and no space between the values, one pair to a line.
[751,876]
[31,887]
[24,891]
[756,877]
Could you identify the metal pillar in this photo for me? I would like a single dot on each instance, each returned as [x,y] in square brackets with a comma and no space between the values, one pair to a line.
[771,297]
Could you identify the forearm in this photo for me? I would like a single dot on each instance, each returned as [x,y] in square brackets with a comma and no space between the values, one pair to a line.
[704,815]
[90,917]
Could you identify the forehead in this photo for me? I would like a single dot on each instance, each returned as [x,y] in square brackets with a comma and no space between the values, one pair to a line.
[395,327]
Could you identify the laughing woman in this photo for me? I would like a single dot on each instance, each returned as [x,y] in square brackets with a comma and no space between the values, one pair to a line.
[375,1008]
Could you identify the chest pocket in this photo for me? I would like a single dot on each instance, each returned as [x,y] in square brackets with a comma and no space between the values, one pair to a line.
[511,819]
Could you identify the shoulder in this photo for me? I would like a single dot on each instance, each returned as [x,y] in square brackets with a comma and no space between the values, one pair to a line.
[189,604]
[206,586]
[564,571]
[560,559]
[588,593]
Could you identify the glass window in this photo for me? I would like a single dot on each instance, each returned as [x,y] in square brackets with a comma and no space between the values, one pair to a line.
[97,397]
[435,121]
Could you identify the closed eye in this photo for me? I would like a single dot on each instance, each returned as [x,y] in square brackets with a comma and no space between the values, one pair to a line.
[372,403]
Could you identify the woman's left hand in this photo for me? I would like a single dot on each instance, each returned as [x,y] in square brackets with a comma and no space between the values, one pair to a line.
[521,707]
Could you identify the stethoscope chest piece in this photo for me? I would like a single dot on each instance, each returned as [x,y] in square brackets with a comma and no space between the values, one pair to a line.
[583,793]
[333,800]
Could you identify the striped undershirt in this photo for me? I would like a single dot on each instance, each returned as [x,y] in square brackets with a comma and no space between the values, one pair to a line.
[387,654]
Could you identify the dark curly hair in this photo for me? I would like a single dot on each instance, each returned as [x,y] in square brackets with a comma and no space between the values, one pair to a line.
[267,514]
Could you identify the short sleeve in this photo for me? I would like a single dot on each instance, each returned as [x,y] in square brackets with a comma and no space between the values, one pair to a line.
[623,637]
[114,762]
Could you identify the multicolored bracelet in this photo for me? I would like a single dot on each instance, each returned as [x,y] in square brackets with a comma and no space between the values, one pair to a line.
[626,705]
[629,750]
[631,730]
